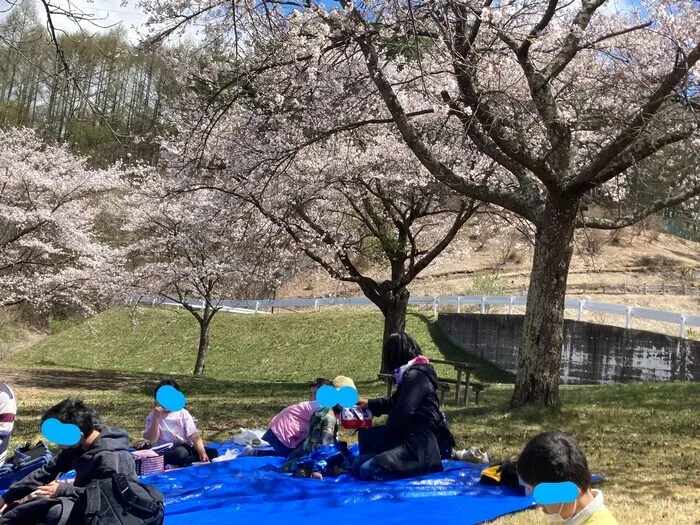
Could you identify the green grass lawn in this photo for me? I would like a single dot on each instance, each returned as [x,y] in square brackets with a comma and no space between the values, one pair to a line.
[290,347]
[644,437]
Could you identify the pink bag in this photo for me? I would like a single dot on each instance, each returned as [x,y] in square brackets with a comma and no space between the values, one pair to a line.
[148,462]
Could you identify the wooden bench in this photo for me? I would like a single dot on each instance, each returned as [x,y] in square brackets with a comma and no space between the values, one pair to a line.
[444,386]
[478,388]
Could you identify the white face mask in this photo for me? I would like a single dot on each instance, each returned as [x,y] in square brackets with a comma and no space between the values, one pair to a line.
[557,518]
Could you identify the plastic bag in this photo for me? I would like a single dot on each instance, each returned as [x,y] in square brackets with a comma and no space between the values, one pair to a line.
[231,453]
[250,437]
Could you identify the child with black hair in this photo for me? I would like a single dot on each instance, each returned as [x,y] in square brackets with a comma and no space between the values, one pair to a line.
[164,426]
[553,457]
[101,449]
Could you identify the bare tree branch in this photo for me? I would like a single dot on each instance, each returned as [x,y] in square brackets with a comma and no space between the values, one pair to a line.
[639,214]
[468,209]
[66,66]
[642,149]
[642,119]
[522,51]
[506,199]
[621,32]
[570,47]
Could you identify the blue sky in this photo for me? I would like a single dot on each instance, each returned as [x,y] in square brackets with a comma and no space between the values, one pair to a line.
[126,14]
[623,5]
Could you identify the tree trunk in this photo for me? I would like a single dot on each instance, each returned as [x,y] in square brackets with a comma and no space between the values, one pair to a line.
[203,344]
[394,307]
[539,362]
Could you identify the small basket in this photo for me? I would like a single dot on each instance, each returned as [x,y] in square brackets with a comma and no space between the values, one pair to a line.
[148,462]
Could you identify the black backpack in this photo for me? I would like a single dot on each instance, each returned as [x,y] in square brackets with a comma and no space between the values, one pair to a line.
[116,500]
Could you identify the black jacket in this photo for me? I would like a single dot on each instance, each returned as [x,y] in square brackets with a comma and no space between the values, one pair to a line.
[414,420]
[109,452]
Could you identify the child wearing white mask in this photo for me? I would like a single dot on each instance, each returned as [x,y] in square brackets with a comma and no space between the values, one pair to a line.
[553,457]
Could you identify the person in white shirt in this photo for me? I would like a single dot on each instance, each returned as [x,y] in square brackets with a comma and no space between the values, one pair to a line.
[178,428]
[8,413]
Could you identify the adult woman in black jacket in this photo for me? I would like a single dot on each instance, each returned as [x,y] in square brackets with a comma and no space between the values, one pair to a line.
[415,437]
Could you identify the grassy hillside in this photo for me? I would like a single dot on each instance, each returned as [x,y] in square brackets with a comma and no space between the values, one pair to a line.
[644,437]
[631,256]
[290,347]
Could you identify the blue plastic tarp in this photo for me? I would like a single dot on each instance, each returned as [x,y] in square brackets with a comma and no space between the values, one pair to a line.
[251,490]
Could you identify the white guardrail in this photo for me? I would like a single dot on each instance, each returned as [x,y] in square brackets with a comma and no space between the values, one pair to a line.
[252,306]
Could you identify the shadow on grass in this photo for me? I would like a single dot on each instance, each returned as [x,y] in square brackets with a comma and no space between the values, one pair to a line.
[486,371]
[81,379]
[125,399]
[494,408]
[547,417]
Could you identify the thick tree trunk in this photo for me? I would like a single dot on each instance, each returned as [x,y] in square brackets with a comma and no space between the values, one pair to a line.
[539,362]
[395,305]
[203,345]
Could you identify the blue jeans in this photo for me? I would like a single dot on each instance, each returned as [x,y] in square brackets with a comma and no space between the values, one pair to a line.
[366,469]
[276,444]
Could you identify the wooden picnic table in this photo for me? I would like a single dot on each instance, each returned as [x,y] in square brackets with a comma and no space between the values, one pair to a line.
[460,367]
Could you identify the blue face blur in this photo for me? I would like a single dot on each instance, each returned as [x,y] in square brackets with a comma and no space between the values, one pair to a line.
[330,397]
[66,435]
[170,398]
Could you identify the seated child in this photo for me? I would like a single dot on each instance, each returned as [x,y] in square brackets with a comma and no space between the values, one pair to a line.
[291,426]
[553,457]
[320,453]
[178,428]
[100,449]
[8,413]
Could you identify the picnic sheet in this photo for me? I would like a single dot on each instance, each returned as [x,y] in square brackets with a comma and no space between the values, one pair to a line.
[249,490]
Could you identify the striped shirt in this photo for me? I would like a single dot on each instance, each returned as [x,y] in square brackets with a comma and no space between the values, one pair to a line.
[8,412]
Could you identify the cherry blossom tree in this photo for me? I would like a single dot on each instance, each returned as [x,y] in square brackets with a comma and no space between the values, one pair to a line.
[346,203]
[363,216]
[196,248]
[50,254]
[532,106]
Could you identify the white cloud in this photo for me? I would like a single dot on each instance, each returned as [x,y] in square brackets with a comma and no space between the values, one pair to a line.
[98,16]
[621,6]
